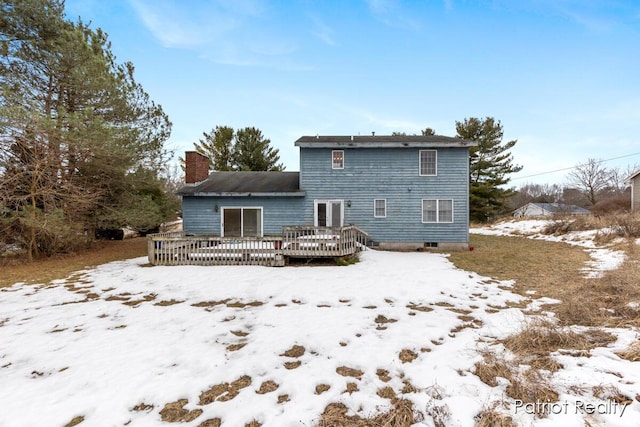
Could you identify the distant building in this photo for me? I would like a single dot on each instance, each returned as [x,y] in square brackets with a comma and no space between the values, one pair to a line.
[634,180]
[547,209]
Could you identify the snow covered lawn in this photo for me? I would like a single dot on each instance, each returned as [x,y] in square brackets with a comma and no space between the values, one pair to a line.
[115,344]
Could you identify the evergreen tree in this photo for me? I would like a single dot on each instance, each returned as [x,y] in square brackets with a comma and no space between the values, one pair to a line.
[490,163]
[428,132]
[75,129]
[253,152]
[218,146]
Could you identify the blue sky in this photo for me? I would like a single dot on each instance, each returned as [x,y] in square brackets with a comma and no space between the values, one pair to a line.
[561,75]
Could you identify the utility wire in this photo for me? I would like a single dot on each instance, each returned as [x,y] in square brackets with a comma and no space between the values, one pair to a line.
[572,167]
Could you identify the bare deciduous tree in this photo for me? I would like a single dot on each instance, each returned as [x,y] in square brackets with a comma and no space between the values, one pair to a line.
[591,178]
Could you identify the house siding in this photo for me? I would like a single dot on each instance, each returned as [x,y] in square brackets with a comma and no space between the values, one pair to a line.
[635,193]
[391,174]
[200,216]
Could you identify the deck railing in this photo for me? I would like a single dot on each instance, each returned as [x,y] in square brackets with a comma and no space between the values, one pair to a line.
[179,248]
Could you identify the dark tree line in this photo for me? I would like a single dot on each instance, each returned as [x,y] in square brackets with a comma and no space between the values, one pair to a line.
[81,142]
[243,150]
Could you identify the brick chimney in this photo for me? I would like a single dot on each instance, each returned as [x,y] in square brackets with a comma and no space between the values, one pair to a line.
[196,167]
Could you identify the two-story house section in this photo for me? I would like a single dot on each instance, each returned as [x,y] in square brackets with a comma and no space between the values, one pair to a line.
[406,192]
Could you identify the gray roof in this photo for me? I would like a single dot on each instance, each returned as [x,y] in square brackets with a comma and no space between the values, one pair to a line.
[382,141]
[633,175]
[242,183]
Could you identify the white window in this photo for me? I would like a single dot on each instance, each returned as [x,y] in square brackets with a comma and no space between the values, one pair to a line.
[428,162]
[434,210]
[380,208]
[337,159]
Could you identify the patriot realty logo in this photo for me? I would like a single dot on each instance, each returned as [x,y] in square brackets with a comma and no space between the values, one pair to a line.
[608,407]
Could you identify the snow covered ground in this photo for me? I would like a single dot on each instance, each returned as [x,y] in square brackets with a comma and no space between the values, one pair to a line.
[116,343]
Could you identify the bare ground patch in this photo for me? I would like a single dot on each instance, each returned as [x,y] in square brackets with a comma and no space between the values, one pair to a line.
[166,303]
[349,372]
[407,356]
[267,387]
[383,374]
[174,412]
[211,422]
[321,388]
[74,421]
[294,352]
[292,365]
[225,391]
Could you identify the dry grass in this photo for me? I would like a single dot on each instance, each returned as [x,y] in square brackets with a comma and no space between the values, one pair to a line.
[553,270]
[490,417]
[407,356]
[267,387]
[383,374]
[295,351]
[351,388]
[75,421]
[386,393]
[321,388]
[174,412]
[400,415]
[59,267]
[225,391]
[349,372]
[492,368]
[540,337]
[212,422]
[632,353]
[532,387]
[292,365]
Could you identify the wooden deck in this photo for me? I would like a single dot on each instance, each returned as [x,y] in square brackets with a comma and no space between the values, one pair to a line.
[179,248]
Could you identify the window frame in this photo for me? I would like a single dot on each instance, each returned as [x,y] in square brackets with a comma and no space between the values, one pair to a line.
[260,219]
[375,208]
[437,211]
[435,162]
[333,162]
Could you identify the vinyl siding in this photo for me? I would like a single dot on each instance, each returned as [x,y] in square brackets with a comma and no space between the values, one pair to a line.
[200,216]
[391,174]
[635,193]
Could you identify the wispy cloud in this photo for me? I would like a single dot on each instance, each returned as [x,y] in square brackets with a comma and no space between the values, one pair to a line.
[383,125]
[185,27]
[323,31]
[230,32]
[391,13]
[597,16]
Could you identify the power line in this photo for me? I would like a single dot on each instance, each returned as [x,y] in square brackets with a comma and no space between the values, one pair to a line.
[573,167]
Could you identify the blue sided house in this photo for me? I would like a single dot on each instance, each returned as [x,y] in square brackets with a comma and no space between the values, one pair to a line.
[405,192]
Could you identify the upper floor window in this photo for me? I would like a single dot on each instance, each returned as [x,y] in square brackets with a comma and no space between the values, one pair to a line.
[434,210]
[337,159]
[428,162]
[380,208]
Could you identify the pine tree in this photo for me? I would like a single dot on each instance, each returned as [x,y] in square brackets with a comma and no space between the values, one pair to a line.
[253,152]
[75,128]
[218,146]
[490,163]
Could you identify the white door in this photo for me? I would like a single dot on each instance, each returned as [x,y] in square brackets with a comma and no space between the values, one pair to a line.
[328,213]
